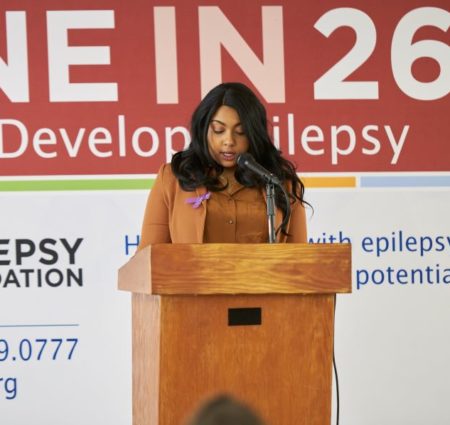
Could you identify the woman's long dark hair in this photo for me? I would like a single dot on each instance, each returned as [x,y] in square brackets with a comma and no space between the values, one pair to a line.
[195,167]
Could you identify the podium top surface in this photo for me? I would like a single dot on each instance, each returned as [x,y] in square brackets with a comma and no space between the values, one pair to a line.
[202,269]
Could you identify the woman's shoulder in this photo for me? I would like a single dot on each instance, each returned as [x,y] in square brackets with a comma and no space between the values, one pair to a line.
[165,179]
[165,173]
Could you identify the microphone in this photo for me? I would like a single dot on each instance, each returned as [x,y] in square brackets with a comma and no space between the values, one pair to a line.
[246,160]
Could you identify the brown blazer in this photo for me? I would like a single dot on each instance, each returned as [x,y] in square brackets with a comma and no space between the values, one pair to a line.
[168,218]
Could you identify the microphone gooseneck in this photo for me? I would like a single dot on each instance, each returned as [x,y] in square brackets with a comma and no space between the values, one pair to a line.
[246,160]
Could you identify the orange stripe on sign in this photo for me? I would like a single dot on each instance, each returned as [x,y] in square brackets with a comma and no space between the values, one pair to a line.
[312,182]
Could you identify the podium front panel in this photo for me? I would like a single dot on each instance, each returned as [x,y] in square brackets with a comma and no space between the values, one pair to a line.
[272,351]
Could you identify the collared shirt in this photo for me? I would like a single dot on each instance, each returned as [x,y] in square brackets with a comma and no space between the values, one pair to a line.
[170,218]
[236,217]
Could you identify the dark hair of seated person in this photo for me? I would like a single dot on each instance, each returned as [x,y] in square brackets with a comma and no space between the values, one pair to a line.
[225,410]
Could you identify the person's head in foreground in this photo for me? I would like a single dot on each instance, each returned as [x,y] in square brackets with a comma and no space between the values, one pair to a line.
[224,410]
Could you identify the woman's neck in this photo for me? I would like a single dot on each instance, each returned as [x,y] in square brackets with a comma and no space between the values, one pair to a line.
[228,173]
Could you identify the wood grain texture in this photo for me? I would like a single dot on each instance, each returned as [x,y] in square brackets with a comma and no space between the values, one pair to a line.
[184,350]
[135,275]
[282,367]
[241,269]
[252,268]
[146,338]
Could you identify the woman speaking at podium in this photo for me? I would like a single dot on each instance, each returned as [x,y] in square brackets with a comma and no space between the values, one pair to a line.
[216,190]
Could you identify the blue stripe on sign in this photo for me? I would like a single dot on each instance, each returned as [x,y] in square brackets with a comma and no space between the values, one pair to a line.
[405,181]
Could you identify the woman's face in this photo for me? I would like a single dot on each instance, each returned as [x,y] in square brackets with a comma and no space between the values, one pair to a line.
[226,138]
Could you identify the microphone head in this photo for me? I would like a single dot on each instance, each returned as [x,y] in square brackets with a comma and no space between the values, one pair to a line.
[244,158]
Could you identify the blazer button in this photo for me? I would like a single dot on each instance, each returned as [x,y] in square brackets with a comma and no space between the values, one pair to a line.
[230,221]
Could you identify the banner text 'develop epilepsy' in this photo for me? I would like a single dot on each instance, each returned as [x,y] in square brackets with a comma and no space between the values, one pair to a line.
[111,90]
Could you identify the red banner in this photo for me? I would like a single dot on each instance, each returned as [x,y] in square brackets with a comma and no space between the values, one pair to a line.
[108,87]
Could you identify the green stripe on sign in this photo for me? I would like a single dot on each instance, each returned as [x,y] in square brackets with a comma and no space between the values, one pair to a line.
[61,185]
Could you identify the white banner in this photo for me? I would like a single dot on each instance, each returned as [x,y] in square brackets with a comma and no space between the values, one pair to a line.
[65,351]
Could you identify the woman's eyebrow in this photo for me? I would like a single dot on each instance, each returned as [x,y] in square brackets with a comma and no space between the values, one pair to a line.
[220,122]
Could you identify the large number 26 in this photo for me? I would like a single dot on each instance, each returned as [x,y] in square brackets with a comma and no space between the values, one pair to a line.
[404,52]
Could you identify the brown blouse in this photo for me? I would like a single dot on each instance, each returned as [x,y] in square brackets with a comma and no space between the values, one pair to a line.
[240,216]
[236,217]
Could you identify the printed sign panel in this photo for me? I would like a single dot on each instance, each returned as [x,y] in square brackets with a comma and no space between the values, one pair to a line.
[96,95]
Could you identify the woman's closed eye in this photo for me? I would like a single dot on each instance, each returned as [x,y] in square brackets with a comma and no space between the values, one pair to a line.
[217,129]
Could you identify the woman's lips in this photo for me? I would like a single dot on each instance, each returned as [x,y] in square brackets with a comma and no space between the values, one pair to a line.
[228,156]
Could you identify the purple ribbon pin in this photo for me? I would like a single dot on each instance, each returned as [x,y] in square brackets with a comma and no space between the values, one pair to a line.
[196,202]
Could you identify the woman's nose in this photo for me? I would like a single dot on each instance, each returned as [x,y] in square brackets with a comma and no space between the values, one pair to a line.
[228,139]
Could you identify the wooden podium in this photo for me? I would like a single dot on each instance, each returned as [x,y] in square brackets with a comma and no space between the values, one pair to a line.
[252,320]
